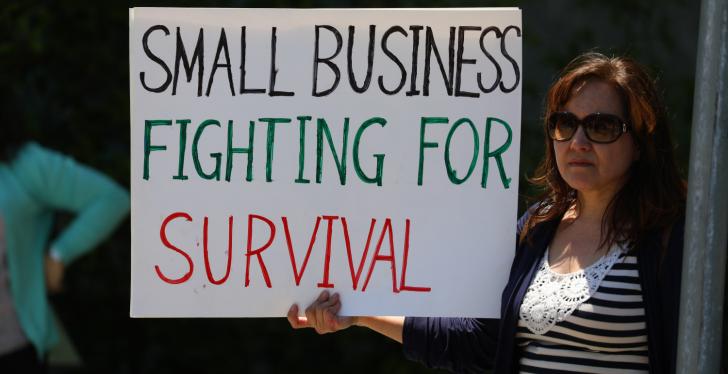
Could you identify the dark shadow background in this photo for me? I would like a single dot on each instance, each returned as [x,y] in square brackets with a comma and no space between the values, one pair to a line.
[64,73]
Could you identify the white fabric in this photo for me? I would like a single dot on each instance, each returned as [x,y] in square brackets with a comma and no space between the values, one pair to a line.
[552,297]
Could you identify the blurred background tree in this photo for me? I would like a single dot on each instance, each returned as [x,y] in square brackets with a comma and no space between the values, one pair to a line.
[64,68]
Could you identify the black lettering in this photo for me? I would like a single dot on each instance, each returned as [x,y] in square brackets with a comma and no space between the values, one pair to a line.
[221,47]
[370,60]
[243,47]
[431,47]
[394,58]
[498,72]
[461,61]
[153,57]
[198,56]
[273,69]
[415,56]
[513,62]
[317,60]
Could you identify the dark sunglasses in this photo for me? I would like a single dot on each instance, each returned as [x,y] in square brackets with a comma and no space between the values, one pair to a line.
[599,128]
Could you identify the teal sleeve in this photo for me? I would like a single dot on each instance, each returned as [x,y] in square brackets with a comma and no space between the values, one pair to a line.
[58,182]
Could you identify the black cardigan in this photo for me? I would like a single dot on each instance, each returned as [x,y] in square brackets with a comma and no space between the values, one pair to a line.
[466,345]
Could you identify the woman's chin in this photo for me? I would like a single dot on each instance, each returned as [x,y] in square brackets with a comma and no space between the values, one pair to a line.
[581,184]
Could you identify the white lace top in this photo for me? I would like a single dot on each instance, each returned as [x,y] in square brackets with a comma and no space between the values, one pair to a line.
[591,320]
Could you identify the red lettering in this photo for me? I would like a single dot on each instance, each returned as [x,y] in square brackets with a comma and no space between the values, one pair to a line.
[390,258]
[229,252]
[355,268]
[296,275]
[257,252]
[355,278]
[402,285]
[163,236]
[327,258]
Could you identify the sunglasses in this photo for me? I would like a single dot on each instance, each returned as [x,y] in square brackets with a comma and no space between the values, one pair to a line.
[599,128]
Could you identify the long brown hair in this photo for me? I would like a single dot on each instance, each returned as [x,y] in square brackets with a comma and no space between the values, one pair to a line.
[653,197]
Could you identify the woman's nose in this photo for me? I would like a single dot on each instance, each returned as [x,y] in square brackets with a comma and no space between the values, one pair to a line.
[579,140]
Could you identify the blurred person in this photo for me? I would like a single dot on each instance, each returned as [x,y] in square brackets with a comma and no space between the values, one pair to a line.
[595,282]
[36,182]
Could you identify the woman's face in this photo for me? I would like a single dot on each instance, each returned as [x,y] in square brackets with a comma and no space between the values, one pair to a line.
[593,167]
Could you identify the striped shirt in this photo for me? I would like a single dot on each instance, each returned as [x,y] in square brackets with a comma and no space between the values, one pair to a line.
[604,334]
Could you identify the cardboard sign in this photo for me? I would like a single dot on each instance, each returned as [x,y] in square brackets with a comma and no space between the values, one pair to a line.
[276,153]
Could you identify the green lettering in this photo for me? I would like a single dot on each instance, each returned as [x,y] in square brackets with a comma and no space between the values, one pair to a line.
[148,147]
[424,121]
[302,148]
[451,173]
[195,152]
[497,154]
[270,139]
[182,146]
[379,157]
[248,151]
[323,129]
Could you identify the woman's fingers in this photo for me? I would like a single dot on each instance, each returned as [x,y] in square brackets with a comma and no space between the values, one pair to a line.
[310,313]
[332,313]
[324,316]
[296,321]
[53,274]
[340,322]
[323,296]
[321,315]
[313,313]
[318,307]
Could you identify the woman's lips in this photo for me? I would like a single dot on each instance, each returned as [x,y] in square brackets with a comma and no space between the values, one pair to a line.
[580,163]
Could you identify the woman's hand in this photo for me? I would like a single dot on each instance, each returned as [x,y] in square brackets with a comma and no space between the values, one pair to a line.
[321,315]
[53,274]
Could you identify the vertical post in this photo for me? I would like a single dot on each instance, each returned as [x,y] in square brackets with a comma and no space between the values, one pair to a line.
[704,258]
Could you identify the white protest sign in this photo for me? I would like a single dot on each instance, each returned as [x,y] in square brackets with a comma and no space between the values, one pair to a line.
[276,153]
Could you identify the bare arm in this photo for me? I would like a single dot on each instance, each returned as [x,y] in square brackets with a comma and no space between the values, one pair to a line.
[322,315]
[389,326]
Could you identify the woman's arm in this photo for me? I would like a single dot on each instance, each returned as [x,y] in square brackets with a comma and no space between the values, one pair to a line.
[389,326]
[57,182]
[461,345]
[323,316]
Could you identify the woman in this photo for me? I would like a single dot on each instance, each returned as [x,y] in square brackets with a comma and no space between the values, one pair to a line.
[595,282]
[34,183]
